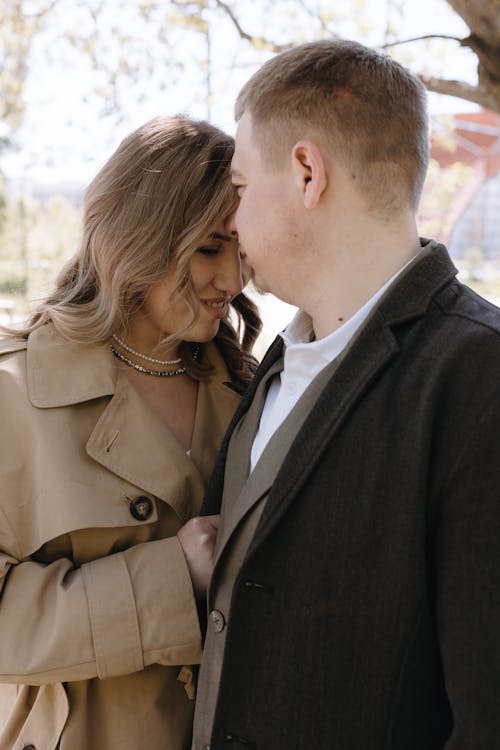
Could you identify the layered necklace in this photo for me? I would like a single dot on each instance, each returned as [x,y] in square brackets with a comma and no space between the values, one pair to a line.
[147,370]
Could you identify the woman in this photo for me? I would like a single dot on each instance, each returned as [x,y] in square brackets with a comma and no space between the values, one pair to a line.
[113,402]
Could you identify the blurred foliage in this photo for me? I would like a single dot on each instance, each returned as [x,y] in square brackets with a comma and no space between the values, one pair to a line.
[129,44]
[18,28]
[442,186]
[36,238]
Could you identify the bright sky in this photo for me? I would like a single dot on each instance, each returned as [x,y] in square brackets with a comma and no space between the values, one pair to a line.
[66,137]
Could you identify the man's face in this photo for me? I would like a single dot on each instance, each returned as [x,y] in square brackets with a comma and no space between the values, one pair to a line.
[264,219]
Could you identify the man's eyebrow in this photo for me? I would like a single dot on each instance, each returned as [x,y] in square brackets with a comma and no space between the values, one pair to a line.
[219,236]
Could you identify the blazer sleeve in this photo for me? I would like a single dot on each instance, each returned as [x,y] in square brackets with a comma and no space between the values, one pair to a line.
[467,568]
[113,616]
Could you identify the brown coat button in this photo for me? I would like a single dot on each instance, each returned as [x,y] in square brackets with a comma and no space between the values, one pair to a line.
[141,507]
[29,747]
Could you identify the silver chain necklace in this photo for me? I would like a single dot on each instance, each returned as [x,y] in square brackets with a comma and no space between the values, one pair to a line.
[147,371]
[144,356]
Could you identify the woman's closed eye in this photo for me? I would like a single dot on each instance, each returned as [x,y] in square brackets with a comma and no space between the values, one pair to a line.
[206,250]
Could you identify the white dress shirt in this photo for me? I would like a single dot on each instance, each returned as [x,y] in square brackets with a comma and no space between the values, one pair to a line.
[304,359]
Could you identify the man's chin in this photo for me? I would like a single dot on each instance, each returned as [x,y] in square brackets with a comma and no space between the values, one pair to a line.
[259,285]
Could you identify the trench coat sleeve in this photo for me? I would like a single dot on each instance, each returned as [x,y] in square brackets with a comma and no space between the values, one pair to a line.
[467,570]
[111,617]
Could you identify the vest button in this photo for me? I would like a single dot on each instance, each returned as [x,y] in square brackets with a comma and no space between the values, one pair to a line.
[217,620]
[141,507]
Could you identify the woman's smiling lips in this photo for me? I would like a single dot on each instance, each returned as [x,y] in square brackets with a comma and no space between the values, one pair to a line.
[217,307]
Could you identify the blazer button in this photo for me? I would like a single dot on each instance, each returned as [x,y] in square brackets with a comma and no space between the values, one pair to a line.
[141,507]
[217,620]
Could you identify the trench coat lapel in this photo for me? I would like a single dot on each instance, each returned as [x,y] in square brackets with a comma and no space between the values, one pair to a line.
[128,438]
[132,442]
[161,466]
[217,402]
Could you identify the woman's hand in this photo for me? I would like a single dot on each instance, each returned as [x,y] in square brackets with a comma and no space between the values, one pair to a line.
[197,539]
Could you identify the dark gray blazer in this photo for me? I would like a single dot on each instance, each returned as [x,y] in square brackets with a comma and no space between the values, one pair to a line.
[376,621]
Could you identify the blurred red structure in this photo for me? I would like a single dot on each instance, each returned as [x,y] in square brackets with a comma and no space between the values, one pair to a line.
[470,224]
[476,139]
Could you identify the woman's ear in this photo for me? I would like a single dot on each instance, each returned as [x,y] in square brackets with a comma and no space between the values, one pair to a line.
[310,171]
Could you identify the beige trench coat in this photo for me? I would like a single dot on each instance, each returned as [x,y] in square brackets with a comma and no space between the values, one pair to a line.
[97,615]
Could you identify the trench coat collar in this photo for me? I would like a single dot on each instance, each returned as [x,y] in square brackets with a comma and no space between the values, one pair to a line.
[61,373]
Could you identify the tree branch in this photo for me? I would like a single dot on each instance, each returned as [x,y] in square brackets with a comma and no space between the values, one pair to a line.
[420,38]
[478,95]
[257,41]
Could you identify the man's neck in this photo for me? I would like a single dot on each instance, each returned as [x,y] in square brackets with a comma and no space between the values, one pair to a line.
[360,267]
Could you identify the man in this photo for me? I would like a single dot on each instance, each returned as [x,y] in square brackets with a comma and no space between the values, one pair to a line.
[354,603]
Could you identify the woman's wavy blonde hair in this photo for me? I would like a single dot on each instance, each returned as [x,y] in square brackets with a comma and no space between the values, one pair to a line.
[155,200]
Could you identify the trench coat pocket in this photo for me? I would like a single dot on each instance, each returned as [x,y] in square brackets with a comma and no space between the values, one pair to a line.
[37,717]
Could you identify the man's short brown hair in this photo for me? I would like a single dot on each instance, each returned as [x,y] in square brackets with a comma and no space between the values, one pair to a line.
[362,105]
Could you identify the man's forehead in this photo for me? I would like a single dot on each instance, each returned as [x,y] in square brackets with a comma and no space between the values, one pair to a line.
[245,148]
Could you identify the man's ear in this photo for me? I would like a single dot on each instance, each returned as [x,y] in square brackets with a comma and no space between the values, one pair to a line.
[310,171]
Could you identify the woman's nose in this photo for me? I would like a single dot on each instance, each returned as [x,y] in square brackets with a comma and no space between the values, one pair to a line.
[230,224]
[230,274]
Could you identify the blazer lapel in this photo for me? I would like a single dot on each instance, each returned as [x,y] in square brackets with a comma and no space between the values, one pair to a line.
[241,496]
[240,446]
[241,490]
[213,497]
[371,351]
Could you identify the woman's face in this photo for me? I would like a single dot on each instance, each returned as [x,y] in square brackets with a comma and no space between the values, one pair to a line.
[217,275]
